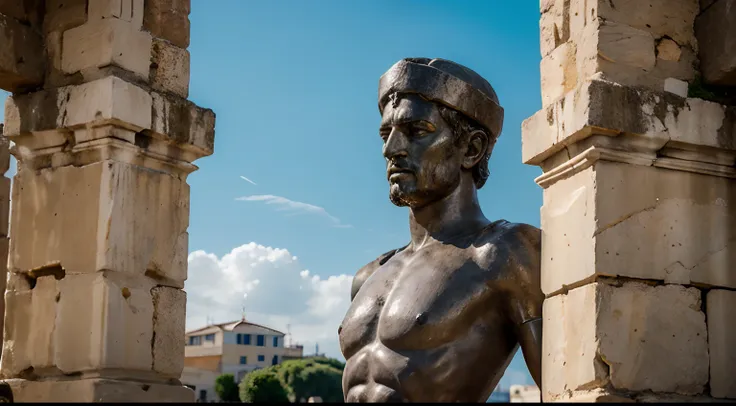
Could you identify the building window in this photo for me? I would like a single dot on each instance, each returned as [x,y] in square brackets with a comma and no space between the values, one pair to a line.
[203,395]
[243,360]
[209,337]
[246,339]
[261,358]
[275,360]
[276,341]
[239,339]
[195,340]
[261,340]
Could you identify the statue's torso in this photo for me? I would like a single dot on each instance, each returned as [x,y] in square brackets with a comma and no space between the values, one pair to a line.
[431,324]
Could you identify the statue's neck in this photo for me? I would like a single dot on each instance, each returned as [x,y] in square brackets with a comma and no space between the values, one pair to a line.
[455,215]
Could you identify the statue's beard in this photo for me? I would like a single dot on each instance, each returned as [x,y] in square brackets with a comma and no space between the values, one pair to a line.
[407,196]
[415,194]
[399,196]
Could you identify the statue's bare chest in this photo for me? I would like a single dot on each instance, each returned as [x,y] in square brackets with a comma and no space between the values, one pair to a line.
[419,301]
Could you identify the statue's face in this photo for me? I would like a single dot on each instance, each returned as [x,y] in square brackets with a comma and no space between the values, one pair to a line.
[423,155]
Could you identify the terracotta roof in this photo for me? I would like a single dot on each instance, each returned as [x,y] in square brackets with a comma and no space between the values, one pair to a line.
[229,326]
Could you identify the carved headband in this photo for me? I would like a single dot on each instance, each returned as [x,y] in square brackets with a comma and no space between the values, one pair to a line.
[440,87]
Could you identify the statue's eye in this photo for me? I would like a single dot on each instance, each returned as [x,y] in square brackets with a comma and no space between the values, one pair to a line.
[384,133]
[421,128]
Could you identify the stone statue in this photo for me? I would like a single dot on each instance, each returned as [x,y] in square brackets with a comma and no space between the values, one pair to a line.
[440,319]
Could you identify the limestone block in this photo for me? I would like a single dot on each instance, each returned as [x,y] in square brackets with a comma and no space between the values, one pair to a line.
[626,45]
[97,390]
[30,325]
[568,200]
[570,361]
[104,42]
[676,86]
[600,222]
[120,331]
[100,102]
[670,18]
[608,395]
[598,395]
[3,277]
[61,334]
[683,68]
[607,108]
[62,15]
[560,74]
[4,245]
[631,56]
[15,356]
[41,338]
[668,50]
[720,305]
[716,33]
[183,123]
[126,10]
[103,216]
[169,307]
[4,153]
[169,20]
[625,335]
[109,98]
[554,25]
[4,209]
[170,68]
[22,61]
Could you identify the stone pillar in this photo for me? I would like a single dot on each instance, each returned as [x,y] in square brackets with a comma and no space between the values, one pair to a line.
[638,219]
[21,68]
[105,139]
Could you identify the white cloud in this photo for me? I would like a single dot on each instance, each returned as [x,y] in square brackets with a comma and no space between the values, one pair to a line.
[275,290]
[295,207]
[247,180]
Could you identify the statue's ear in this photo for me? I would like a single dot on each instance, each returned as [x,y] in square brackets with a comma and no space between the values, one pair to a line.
[476,148]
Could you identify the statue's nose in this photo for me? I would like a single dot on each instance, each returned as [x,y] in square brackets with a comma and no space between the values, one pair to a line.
[396,145]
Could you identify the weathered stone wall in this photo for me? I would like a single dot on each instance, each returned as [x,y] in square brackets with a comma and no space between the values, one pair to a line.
[639,186]
[105,139]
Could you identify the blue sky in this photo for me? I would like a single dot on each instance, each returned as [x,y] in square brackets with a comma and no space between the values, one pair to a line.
[294,85]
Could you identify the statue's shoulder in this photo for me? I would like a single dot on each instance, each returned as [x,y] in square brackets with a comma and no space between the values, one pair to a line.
[510,234]
[505,241]
[367,270]
[520,233]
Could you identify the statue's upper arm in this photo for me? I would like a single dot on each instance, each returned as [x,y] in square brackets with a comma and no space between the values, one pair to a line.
[525,297]
[523,245]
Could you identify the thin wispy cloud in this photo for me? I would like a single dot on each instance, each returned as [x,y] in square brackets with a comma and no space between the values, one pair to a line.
[247,180]
[294,207]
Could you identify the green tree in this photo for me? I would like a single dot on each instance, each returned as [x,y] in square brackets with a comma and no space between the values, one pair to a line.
[313,377]
[324,381]
[329,362]
[289,373]
[226,388]
[263,385]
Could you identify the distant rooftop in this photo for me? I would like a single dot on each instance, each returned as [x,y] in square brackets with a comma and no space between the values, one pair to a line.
[230,326]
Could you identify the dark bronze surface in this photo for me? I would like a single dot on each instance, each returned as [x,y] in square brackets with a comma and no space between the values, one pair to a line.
[440,319]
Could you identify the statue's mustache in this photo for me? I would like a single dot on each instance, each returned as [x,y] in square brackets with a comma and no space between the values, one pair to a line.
[399,165]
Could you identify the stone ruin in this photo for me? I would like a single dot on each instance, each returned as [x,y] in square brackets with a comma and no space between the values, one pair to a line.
[638,220]
[635,139]
[105,138]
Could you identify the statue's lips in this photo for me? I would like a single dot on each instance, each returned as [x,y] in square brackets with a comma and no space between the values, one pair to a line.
[395,173]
